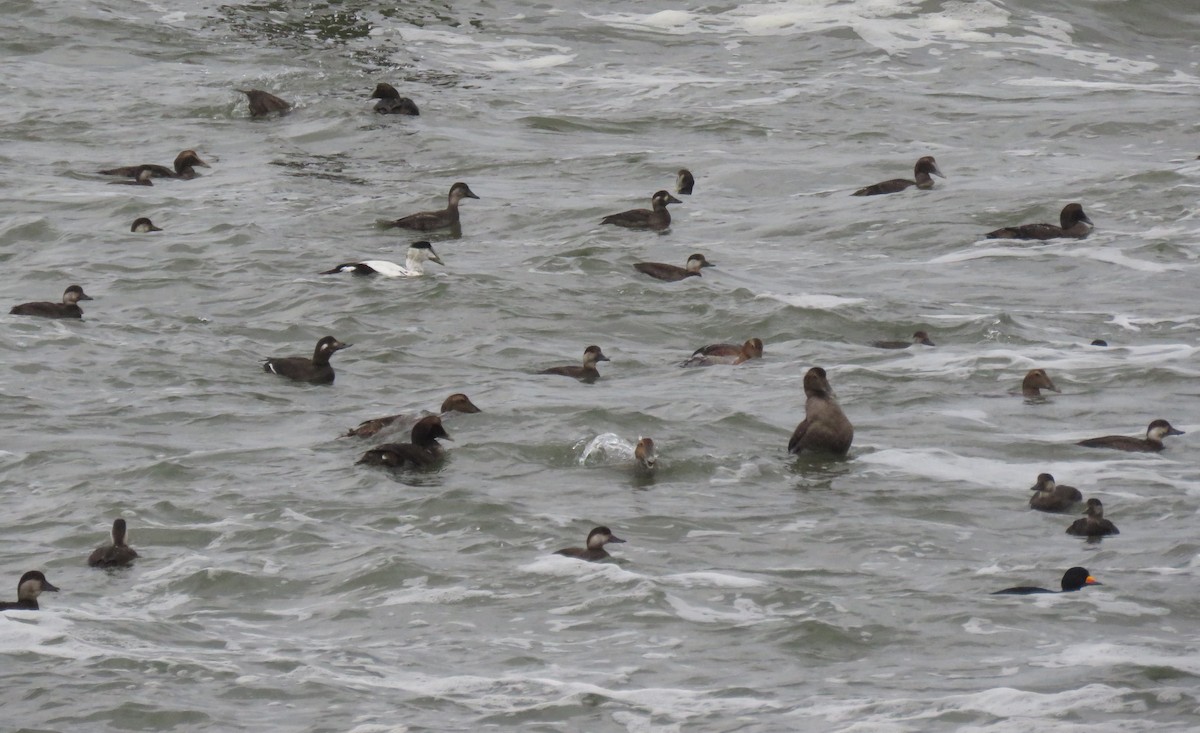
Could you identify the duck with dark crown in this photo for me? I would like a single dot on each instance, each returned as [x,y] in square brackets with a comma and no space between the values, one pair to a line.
[68,308]
[29,587]
[656,217]
[115,553]
[1073,224]
[142,225]
[1050,496]
[1093,524]
[921,171]
[447,218]
[673,273]
[391,103]
[418,254]
[1152,443]
[184,168]
[825,428]
[596,540]
[423,452]
[302,369]
[457,402]
[920,338]
[1072,580]
[645,455]
[264,103]
[684,182]
[587,372]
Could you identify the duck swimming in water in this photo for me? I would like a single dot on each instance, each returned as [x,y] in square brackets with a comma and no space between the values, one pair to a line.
[921,171]
[143,225]
[68,308]
[29,587]
[726,353]
[1093,524]
[391,103]
[423,452]
[1034,382]
[1072,580]
[1152,443]
[596,540]
[143,179]
[447,218]
[264,103]
[825,428]
[418,253]
[1073,224]
[684,182]
[184,168]
[457,402]
[1049,496]
[116,553]
[673,273]
[919,338]
[587,372]
[645,456]
[302,369]
[657,217]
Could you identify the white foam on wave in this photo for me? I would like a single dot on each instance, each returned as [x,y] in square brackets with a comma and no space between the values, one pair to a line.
[1110,655]
[745,612]
[812,301]
[711,580]
[1102,254]
[605,449]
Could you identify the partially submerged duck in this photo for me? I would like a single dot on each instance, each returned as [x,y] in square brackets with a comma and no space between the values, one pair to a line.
[919,338]
[1050,496]
[447,218]
[1072,580]
[674,273]
[418,253]
[143,179]
[29,587]
[115,553]
[726,353]
[585,373]
[921,171]
[684,182]
[302,369]
[457,402]
[423,452]
[1073,223]
[645,455]
[1034,382]
[142,225]
[68,308]
[1093,524]
[184,167]
[391,103]
[657,217]
[1152,443]
[264,103]
[825,428]
[596,540]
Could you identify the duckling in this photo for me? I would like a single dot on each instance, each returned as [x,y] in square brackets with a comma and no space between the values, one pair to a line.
[1073,224]
[921,171]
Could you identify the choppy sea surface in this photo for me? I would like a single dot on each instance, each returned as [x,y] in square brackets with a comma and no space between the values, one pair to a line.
[283,588]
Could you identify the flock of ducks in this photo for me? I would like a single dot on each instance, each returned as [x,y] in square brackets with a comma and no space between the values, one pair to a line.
[825,428]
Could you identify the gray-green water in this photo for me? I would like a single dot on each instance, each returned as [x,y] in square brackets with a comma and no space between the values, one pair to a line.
[281,587]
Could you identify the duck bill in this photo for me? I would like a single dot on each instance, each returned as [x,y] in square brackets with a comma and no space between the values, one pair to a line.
[54,589]
[433,257]
[937,171]
[672,200]
[1173,431]
[614,538]
[1092,581]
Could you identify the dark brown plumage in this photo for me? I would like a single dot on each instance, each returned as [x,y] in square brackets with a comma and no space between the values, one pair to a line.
[596,540]
[1094,524]
[1035,381]
[184,167]
[447,218]
[1152,443]
[115,553]
[673,273]
[1049,496]
[684,182]
[1073,223]
[29,587]
[457,402]
[68,308]
[142,225]
[726,353]
[302,369]
[423,452]
[825,428]
[587,372]
[920,337]
[921,171]
[1072,580]
[264,103]
[657,217]
[391,103]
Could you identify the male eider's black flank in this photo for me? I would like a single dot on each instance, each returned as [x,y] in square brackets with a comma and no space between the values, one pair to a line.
[264,103]
[391,103]
[447,218]
[825,428]
[657,217]
[921,171]
[68,308]
[184,167]
[1093,524]
[114,553]
[457,402]
[684,182]
[418,254]
[29,587]
[1049,496]
[302,369]
[1072,580]
[1073,224]
[673,273]
[920,338]
[423,452]
[142,225]
[596,540]
[1152,443]
[587,372]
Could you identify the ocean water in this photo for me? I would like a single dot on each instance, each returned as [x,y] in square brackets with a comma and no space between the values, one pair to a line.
[282,587]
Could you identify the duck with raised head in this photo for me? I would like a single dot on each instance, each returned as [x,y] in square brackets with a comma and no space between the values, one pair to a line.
[645,455]
[920,338]
[303,369]
[447,218]
[418,254]
[391,103]
[922,171]
[596,540]
[115,553]
[1034,382]
[684,182]
[1049,496]
[423,452]
[656,217]
[184,167]
[1073,224]
[726,353]
[1093,524]
[825,428]
[68,308]
[587,372]
[1072,580]
[1152,443]
[457,402]
[29,587]
[142,225]
[264,103]
[674,273]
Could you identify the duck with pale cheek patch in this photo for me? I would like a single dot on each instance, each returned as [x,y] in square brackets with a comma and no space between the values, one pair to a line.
[587,372]
[674,273]
[1152,443]
[29,587]
[143,225]
[68,308]
[1049,496]
[656,217]
[418,254]
[596,540]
